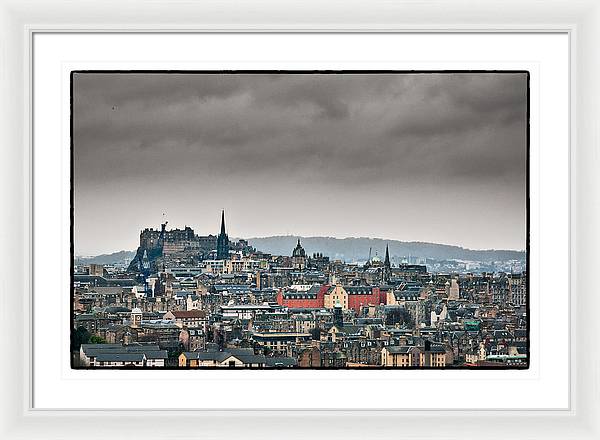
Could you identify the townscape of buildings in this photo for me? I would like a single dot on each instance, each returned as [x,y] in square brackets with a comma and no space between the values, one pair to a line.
[204,301]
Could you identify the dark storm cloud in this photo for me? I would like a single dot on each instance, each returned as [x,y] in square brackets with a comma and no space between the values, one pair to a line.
[315,133]
[463,103]
[324,93]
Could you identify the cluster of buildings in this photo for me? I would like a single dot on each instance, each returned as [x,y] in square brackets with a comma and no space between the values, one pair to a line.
[189,301]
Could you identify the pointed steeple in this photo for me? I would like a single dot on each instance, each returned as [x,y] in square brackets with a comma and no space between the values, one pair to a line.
[222,241]
[387,267]
[387,256]
[223,222]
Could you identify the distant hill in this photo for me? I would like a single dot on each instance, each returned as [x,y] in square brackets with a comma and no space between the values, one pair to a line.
[357,249]
[113,258]
[348,249]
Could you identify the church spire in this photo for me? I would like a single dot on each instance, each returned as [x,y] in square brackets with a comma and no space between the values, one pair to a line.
[222,241]
[223,221]
[387,267]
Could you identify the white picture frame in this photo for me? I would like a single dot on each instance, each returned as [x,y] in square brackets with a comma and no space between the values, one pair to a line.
[19,21]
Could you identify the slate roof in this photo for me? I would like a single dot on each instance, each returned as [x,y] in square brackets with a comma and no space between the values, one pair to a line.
[349,329]
[160,354]
[106,352]
[283,361]
[240,351]
[109,356]
[86,347]
[402,349]
[406,295]
[369,321]
[436,349]
[117,309]
[246,356]
[251,359]
[359,290]
[217,356]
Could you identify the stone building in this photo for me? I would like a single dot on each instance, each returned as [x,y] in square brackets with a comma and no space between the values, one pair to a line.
[299,257]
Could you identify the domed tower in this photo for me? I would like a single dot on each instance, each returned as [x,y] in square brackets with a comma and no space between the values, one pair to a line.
[299,257]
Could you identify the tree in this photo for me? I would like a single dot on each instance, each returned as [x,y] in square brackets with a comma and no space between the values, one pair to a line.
[97,340]
[78,337]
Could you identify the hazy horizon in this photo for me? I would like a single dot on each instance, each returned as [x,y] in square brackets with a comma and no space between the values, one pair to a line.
[133,249]
[435,158]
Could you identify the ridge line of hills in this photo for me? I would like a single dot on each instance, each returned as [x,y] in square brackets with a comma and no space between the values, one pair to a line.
[349,249]
[357,248]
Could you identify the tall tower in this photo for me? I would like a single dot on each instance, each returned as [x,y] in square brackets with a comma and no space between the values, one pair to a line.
[163,230]
[299,257]
[222,241]
[387,267]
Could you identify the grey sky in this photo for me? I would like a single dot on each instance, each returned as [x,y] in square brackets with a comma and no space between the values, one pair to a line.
[415,157]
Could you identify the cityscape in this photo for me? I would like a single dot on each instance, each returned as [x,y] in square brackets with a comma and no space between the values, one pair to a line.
[193,301]
[299,220]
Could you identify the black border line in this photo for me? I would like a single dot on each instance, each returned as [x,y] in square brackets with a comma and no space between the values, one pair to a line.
[306,72]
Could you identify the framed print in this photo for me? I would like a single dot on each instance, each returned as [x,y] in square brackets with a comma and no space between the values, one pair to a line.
[410,316]
[379,217]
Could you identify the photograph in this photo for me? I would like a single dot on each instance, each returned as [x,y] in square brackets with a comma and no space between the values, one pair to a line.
[281,219]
